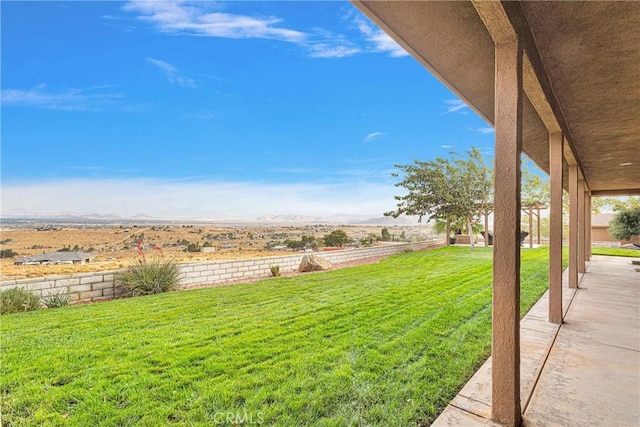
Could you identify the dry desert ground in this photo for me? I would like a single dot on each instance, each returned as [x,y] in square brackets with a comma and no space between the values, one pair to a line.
[115,246]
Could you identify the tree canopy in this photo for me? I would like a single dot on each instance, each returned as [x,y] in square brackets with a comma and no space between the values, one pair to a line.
[615,204]
[625,224]
[534,189]
[337,238]
[457,188]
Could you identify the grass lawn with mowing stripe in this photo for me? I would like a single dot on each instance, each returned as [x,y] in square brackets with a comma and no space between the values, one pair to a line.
[595,250]
[386,344]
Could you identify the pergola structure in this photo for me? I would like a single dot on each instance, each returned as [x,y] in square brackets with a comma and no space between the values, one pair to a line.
[559,81]
[534,208]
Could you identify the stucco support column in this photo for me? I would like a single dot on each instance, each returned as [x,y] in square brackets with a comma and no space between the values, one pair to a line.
[573,226]
[555,228]
[506,239]
[587,213]
[581,227]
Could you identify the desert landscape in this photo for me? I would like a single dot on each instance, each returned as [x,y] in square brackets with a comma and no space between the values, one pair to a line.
[115,246]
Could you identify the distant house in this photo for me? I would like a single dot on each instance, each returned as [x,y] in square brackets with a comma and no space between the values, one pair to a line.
[56,258]
[600,228]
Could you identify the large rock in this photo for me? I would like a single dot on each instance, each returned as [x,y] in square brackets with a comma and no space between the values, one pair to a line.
[314,263]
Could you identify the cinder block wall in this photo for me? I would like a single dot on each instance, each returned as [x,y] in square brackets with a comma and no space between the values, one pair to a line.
[97,286]
[83,287]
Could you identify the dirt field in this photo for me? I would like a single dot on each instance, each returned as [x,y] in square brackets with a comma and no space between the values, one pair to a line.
[115,246]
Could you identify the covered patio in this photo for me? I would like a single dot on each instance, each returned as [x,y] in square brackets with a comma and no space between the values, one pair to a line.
[583,372]
[559,82]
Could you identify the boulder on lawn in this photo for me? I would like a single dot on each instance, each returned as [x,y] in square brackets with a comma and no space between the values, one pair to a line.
[314,263]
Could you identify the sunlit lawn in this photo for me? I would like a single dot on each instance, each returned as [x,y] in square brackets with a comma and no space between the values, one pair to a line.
[615,252]
[386,344]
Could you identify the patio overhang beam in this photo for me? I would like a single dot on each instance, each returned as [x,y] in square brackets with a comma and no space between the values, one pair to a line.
[505,18]
[601,193]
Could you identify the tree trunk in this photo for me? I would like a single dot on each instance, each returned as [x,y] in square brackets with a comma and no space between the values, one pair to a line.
[448,242]
[470,231]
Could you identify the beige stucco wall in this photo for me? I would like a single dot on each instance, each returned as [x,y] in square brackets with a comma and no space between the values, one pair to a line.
[601,234]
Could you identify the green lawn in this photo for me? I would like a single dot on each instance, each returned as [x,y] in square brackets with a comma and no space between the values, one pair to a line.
[615,252]
[386,344]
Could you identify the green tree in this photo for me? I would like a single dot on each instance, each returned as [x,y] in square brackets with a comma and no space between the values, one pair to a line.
[615,204]
[293,244]
[625,224]
[337,238]
[309,242]
[456,188]
[534,189]
[305,242]
[384,235]
[369,240]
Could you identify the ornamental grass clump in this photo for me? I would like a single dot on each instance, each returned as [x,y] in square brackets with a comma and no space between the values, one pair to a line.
[54,299]
[17,300]
[275,270]
[150,276]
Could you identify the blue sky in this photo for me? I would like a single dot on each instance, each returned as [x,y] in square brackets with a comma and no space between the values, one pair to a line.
[214,110]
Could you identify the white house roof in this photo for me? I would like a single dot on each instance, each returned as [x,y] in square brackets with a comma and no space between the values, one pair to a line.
[58,256]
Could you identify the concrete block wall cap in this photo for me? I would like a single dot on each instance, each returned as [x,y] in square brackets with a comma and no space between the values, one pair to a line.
[27,281]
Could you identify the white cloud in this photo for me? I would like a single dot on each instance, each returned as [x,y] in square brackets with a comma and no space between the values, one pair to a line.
[204,200]
[330,50]
[455,105]
[446,146]
[197,18]
[379,39]
[205,19]
[89,99]
[171,73]
[373,136]
[485,130]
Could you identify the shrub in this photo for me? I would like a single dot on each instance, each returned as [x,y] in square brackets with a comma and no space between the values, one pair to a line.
[625,224]
[148,277]
[17,300]
[54,299]
[7,253]
[275,270]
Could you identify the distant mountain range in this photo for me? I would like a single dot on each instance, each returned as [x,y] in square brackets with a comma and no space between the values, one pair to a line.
[23,215]
[337,219]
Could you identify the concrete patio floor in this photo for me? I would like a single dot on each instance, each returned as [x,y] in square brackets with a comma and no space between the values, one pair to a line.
[585,372]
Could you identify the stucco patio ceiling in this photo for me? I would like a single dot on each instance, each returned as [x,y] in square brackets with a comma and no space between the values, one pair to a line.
[581,72]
